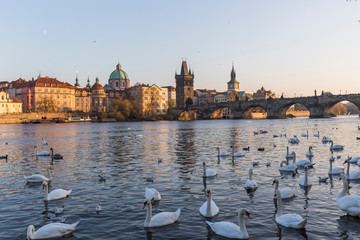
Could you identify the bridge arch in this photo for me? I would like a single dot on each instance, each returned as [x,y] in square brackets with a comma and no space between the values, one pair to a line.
[223,112]
[254,112]
[329,107]
[297,106]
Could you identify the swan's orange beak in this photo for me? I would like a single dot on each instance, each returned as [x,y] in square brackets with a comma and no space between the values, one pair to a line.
[345,162]
[248,215]
[207,194]
[43,186]
[144,205]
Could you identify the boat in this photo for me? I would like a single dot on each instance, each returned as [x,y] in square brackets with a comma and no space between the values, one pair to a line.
[79,119]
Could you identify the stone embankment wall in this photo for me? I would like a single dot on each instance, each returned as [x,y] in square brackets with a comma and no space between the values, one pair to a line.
[26,117]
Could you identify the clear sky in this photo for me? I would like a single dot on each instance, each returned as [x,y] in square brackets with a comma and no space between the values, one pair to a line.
[287,46]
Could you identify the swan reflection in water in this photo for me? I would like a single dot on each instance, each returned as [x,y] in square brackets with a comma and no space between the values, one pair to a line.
[291,233]
[348,227]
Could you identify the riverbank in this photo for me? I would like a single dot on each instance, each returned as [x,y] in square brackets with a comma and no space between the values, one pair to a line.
[32,117]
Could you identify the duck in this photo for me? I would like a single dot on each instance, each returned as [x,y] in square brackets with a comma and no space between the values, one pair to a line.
[294,140]
[55,194]
[209,208]
[287,167]
[4,157]
[45,143]
[317,134]
[102,178]
[305,180]
[305,134]
[255,163]
[261,149]
[231,230]
[41,153]
[160,219]
[59,210]
[285,192]
[56,155]
[236,154]
[309,153]
[288,220]
[323,179]
[351,175]
[38,178]
[208,172]
[336,170]
[251,185]
[98,208]
[246,148]
[336,146]
[51,230]
[222,153]
[348,203]
[152,194]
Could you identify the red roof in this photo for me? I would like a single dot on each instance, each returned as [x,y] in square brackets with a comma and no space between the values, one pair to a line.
[97,86]
[15,100]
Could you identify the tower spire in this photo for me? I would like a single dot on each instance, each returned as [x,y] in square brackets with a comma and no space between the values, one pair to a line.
[77,80]
[88,81]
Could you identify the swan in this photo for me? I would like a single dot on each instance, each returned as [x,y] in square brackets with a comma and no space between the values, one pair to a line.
[305,134]
[287,167]
[285,192]
[336,147]
[309,153]
[55,194]
[288,220]
[336,170]
[294,140]
[325,139]
[351,175]
[41,153]
[51,230]
[160,219]
[38,178]
[354,159]
[56,155]
[251,185]
[209,208]
[348,203]
[208,172]
[222,153]
[231,230]
[237,154]
[152,193]
[302,163]
[289,155]
[305,180]
[4,157]
[45,143]
[317,134]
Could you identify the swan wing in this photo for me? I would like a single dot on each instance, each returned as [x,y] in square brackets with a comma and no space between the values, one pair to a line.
[53,230]
[211,172]
[150,192]
[287,193]
[165,218]
[239,154]
[214,209]
[354,175]
[291,220]
[36,178]
[251,184]
[350,204]
[226,229]
[58,193]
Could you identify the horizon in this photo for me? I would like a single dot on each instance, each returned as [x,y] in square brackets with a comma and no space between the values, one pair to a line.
[291,48]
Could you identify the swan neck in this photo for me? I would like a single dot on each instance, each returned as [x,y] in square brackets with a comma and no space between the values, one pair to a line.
[276,187]
[250,174]
[330,167]
[345,190]
[30,232]
[306,178]
[204,170]
[148,214]
[49,173]
[242,225]
[208,205]
[233,151]
[279,205]
[348,168]
[46,193]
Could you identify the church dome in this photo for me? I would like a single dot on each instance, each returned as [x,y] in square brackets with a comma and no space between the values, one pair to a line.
[97,85]
[118,74]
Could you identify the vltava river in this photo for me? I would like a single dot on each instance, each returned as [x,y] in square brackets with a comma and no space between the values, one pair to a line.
[127,154]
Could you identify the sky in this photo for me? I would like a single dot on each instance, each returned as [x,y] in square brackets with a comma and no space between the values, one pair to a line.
[290,47]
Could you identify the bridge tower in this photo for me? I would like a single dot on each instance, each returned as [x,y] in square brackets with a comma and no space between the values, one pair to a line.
[233,84]
[184,87]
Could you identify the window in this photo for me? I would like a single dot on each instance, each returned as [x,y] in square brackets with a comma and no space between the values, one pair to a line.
[58,96]
[117,84]
[123,84]
[51,90]
[64,103]
[45,90]
[64,96]
[58,90]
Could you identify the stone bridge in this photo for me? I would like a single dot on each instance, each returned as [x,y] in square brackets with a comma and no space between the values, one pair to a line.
[319,106]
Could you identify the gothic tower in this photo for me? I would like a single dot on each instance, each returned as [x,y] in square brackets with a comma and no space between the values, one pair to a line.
[233,84]
[184,87]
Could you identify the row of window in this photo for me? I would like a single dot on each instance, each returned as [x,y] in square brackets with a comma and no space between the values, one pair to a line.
[53,90]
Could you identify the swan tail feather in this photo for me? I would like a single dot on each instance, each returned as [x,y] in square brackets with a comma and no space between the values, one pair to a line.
[75,224]
[178,212]
[209,223]
[69,192]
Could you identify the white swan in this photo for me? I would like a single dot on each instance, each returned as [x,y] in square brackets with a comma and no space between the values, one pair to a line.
[305,134]
[336,146]
[160,219]
[251,185]
[294,140]
[336,170]
[237,154]
[222,153]
[38,178]
[305,180]
[231,230]
[317,134]
[55,194]
[41,153]
[209,208]
[208,172]
[351,175]
[325,139]
[289,155]
[309,153]
[51,230]
[355,160]
[288,220]
[287,167]
[285,192]
[152,193]
[348,203]
[45,143]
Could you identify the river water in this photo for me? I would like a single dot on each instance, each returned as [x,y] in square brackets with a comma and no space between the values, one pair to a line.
[127,153]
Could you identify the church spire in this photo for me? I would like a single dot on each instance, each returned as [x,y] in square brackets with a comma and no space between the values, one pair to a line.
[88,81]
[184,69]
[233,74]
[77,80]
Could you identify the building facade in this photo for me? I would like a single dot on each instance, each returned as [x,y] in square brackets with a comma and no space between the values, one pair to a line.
[263,94]
[184,87]
[119,79]
[9,105]
[233,84]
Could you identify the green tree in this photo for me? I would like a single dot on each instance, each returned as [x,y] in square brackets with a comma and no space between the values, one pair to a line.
[171,114]
[46,104]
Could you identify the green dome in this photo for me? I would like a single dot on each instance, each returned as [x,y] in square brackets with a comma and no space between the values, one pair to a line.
[118,74]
